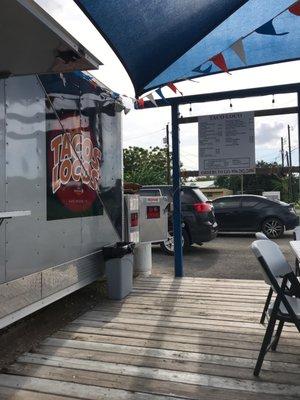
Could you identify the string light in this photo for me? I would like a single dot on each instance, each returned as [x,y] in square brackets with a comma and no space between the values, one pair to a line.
[190,108]
[273,99]
[230,103]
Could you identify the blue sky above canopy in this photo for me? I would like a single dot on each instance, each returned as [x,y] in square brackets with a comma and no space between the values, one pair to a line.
[163,41]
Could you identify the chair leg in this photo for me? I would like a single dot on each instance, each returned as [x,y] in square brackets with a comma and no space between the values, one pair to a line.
[297,267]
[265,344]
[277,335]
[267,303]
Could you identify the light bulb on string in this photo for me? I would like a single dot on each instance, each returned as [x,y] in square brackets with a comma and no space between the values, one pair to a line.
[273,99]
[190,109]
[230,103]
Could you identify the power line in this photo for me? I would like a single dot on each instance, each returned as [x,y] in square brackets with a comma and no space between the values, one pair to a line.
[146,134]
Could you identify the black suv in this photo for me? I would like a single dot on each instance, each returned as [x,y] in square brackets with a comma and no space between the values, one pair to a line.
[198,219]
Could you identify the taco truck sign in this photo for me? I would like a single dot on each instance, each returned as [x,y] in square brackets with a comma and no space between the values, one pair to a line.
[74,160]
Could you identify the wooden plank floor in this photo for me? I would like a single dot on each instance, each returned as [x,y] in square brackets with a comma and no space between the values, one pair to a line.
[189,338]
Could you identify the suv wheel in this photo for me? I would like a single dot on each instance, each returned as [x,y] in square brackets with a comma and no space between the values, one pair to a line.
[168,245]
[273,228]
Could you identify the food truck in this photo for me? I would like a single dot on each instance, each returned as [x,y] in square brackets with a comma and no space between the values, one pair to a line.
[61,187]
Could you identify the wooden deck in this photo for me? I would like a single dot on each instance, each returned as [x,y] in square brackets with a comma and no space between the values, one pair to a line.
[191,338]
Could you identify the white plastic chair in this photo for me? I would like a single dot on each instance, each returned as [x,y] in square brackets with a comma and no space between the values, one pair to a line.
[296,234]
[262,236]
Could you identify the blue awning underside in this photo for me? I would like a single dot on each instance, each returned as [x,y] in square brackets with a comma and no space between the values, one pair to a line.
[163,41]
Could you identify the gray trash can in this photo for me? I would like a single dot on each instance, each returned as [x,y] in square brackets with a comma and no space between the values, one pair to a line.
[119,269]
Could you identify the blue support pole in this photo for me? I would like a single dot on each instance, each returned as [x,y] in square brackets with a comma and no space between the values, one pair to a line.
[298,115]
[178,256]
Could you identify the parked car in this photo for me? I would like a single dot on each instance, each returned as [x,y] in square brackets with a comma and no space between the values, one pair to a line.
[250,213]
[198,219]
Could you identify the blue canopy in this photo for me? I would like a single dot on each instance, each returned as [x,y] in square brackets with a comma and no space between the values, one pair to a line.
[163,41]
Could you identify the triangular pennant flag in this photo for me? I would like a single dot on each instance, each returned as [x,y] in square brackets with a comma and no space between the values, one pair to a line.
[128,102]
[220,62]
[203,71]
[126,110]
[115,95]
[118,107]
[295,9]
[159,92]
[141,103]
[268,29]
[174,88]
[151,98]
[238,48]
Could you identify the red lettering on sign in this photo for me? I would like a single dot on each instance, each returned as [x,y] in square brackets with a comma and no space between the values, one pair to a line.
[75,158]
[55,145]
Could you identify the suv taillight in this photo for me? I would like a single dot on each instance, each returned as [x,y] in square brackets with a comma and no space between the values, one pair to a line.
[202,207]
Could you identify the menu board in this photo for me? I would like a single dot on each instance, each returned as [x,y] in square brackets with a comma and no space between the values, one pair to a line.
[226,144]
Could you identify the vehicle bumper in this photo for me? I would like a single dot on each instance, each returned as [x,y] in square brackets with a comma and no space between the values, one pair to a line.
[204,233]
[292,222]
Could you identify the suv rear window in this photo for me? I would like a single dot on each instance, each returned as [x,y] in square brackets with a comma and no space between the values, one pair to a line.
[192,195]
[200,195]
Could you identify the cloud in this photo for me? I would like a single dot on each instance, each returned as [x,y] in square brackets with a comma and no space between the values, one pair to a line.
[269,134]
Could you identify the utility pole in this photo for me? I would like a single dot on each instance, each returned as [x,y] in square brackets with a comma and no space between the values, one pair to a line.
[288,165]
[168,155]
[282,153]
[289,141]
[290,162]
[298,118]
[287,159]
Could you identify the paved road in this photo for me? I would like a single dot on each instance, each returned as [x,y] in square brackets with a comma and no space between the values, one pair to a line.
[228,256]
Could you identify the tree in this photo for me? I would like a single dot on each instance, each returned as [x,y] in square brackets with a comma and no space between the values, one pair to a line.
[145,166]
[258,183]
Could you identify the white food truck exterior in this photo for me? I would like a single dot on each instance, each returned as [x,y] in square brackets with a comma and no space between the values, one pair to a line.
[64,168]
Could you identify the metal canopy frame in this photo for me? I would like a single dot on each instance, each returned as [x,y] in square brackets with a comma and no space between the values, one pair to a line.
[174,103]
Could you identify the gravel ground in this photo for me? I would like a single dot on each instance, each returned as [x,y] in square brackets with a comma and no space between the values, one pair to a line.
[227,256]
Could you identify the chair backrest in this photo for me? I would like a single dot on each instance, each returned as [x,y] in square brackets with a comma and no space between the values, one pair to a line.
[296,233]
[274,265]
[272,255]
[261,236]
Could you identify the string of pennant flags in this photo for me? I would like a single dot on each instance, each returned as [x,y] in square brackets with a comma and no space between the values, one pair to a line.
[218,60]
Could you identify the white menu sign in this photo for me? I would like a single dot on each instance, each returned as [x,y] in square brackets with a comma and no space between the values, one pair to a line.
[226,144]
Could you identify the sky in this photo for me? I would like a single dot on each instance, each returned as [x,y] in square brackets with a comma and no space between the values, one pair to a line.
[146,128]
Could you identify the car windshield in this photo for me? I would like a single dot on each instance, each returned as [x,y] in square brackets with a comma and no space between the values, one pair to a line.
[150,192]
